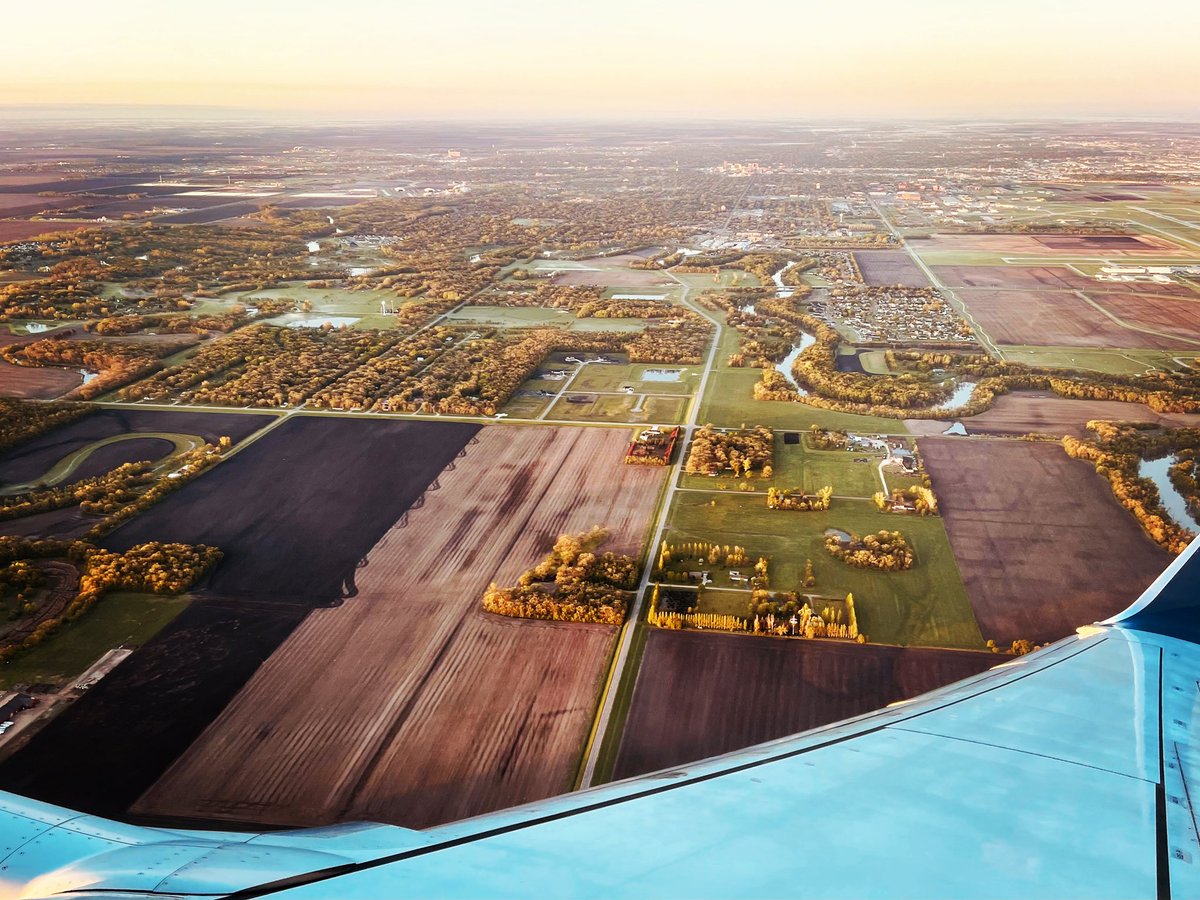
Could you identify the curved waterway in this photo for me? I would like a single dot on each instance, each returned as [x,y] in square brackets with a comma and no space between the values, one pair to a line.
[1157,470]
[782,290]
[784,366]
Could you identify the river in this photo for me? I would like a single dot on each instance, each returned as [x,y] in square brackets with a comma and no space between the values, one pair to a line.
[1157,471]
[962,394]
[782,290]
[784,366]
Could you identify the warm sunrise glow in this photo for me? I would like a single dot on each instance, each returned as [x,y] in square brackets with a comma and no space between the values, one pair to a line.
[473,58]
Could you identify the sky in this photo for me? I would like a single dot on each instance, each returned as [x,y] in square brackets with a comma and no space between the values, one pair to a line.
[612,59]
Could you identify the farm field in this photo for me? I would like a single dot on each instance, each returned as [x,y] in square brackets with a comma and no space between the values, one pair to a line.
[31,460]
[884,267]
[335,303]
[1042,545]
[611,271]
[1050,245]
[1118,362]
[302,535]
[284,512]
[1024,412]
[37,383]
[699,694]
[360,713]
[1049,278]
[1067,319]
[926,605]
[23,229]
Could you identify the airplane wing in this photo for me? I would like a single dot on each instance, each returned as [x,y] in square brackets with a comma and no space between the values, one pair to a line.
[1064,773]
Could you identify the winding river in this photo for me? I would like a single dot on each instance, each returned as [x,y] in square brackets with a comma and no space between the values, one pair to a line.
[1157,470]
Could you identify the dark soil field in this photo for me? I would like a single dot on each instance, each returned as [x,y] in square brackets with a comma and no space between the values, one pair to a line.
[14,205]
[1013,278]
[22,229]
[318,202]
[28,461]
[1033,244]
[1042,545]
[1095,241]
[107,458]
[1049,278]
[285,512]
[71,185]
[1063,319]
[699,694]
[58,523]
[37,382]
[212,214]
[135,721]
[884,267]
[1023,412]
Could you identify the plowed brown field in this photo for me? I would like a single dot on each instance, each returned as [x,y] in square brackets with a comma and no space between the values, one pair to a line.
[1023,412]
[1042,545]
[700,694]
[1067,319]
[408,704]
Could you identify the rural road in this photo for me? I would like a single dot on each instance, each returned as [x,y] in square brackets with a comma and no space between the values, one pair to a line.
[627,630]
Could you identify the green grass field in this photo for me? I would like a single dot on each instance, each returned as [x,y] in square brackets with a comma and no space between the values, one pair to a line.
[799,467]
[927,605]
[728,278]
[1118,362]
[610,378]
[620,408]
[729,403]
[874,362]
[118,619]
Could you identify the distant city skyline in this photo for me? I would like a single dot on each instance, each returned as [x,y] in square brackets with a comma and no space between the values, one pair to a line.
[670,59]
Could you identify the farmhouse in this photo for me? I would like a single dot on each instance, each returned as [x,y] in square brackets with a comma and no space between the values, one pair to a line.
[651,447]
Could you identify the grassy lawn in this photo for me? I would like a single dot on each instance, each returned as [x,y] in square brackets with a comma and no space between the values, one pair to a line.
[1119,362]
[728,278]
[927,605]
[874,362]
[729,402]
[119,618]
[621,408]
[800,467]
[610,378]
[525,407]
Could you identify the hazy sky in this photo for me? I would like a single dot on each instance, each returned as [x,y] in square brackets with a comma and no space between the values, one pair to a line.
[612,58]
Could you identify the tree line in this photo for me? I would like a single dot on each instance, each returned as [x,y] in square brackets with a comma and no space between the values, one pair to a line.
[573,583]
